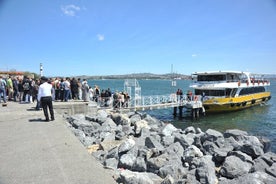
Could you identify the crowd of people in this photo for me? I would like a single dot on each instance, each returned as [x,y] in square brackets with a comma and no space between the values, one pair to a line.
[25,90]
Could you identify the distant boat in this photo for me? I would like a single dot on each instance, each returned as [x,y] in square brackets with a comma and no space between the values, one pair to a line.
[230,90]
[173,83]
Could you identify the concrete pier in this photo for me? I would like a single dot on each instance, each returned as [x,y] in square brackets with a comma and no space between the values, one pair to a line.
[34,151]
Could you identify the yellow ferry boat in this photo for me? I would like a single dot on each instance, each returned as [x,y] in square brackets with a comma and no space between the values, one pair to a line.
[224,91]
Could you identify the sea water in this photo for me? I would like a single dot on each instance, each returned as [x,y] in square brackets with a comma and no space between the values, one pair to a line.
[258,121]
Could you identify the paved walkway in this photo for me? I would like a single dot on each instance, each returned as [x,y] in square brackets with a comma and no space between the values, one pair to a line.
[37,152]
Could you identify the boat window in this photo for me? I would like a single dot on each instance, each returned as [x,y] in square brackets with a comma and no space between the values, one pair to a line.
[228,91]
[210,92]
[232,77]
[247,91]
[211,78]
[233,92]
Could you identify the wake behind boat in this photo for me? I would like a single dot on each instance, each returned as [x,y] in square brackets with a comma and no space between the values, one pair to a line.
[230,90]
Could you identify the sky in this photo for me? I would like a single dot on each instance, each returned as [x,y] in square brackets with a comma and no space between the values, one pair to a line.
[110,37]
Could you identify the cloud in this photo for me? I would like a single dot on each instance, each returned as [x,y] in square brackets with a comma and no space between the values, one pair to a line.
[194,55]
[70,10]
[100,37]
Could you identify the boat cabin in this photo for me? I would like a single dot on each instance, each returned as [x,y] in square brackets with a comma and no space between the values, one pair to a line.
[227,84]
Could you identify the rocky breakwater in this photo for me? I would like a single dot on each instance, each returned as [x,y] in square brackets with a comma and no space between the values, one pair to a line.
[143,150]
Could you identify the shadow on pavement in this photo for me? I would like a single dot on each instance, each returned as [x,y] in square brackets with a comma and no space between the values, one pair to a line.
[37,120]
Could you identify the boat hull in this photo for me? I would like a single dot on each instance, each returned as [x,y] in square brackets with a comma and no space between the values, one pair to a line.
[216,105]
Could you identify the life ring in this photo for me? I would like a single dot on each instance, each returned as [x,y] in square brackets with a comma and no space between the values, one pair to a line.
[195,98]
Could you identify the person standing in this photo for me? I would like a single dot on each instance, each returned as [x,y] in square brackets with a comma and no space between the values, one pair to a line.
[3,85]
[15,88]
[10,88]
[67,89]
[45,98]
[85,91]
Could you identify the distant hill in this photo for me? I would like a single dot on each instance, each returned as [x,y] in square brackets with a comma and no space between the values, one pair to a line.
[139,76]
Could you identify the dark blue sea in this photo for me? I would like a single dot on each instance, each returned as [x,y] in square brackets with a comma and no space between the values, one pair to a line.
[257,121]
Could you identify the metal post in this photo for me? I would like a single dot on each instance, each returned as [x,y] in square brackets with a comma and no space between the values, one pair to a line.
[41,70]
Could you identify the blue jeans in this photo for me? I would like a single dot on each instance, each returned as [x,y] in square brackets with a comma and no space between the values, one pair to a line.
[66,95]
[3,91]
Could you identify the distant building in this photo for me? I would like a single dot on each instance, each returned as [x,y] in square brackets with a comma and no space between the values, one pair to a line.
[5,74]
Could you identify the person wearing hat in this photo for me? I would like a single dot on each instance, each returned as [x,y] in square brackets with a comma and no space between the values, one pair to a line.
[45,98]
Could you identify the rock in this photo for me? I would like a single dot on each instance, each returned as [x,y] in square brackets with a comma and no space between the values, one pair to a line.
[140,165]
[191,152]
[145,132]
[109,122]
[78,133]
[271,170]
[259,165]
[175,149]
[198,131]
[126,145]
[155,163]
[87,141]
[167,140]
[112,153]
[93,148]
[190,129]
[252,178]
[145,153]
[129,177]
[266,144]
[168,130]
[91,118]
[190,179]
[126,161]
[108,136]
[135,118]
[151,120]
[99,155]
[238,135]
[168,180]
[184,140]
[269,158]
[75,118]
[100,117]
[139,125]
[205,173]
[151,142]
[234,167]
[120,119]
[111,163]
[211,135]
[148,147]
[244,157]
[108,145]
[251,146]
[128,130]
[176,171]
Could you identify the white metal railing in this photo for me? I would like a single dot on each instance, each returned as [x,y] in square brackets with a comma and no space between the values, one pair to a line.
[150,101]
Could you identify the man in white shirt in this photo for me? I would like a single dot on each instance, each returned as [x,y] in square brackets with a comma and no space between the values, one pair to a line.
[45,98]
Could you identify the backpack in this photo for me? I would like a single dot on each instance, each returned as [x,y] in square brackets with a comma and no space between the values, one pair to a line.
[26,86]
[61,86]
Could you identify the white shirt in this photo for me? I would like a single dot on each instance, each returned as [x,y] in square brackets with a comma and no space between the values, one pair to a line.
[44,90]
[67,85]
